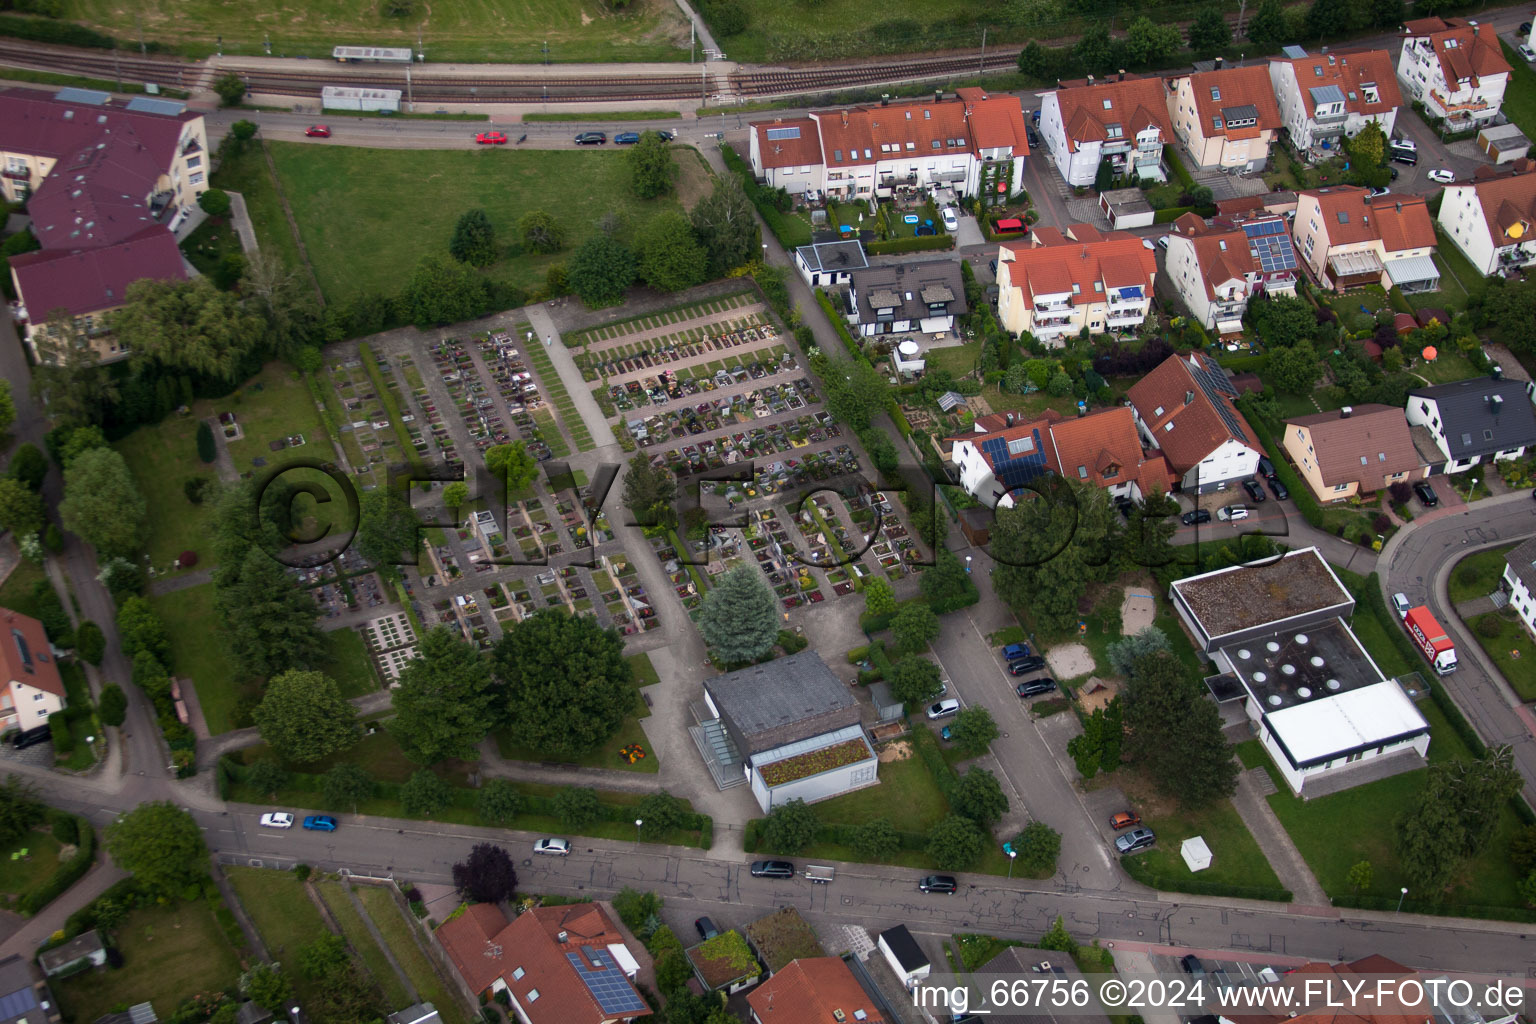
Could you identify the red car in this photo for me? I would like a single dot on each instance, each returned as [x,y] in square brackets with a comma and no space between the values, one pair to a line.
[318,131]
[491,138]
[1124,819]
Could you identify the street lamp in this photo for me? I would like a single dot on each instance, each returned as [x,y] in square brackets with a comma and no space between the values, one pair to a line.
[967,565]
[1011,855]
[639,822]
[1400,900]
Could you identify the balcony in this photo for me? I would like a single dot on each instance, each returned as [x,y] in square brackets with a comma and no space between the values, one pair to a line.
[1052,319]
[1125,319]
[17,174]
[1060,307]
[1229,310]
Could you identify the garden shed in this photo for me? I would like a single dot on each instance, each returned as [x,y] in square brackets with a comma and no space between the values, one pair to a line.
[1196,854]
[1504,143]
[887,707]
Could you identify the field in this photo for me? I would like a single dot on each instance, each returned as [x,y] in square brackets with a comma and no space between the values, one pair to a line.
[350,920]
[455,30]
[396,930]
[198,652]
[771,19]
[1236,859]
[364,235]
[170,953]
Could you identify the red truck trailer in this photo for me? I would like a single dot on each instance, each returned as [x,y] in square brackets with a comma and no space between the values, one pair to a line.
[1431,639]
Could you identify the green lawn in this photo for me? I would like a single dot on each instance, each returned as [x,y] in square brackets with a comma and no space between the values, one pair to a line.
[348,662]
[772,25]
[272,406]
[907,796]
[1459,280]
[16,591]
[206,247]
[455,30]
[1477,575]
[283,913]
[198,653]
[1448,367]
[247,173]
[1520,93]
[379,754]
[959,360]
[1519,671]
[162,458]
[171,952]
[18,873]
[645,672]
[1235,856]
[356,932]
[363,235]
[397,932]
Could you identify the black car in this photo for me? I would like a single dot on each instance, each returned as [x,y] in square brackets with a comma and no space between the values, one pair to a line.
[1033,663]
[1426,494]
[938,883]
[707,929]
[1254,490]
[1125,505]
[992,266]
[773,869]
[1266,468]
[591,139]
[1035,687]
[1192,965]
[1280,490]
[30,737]
[1199,515]
[1525,28]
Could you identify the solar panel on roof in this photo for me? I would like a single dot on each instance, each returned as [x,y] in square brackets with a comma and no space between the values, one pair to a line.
[775,134]
[1215,388]
[94,97]
[1271,246]
[144,105]
[607,984]
[17,1003]
[1013,470]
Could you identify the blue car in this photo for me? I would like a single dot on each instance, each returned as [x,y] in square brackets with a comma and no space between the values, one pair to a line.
[626,138]
[320,823]
[1013,652]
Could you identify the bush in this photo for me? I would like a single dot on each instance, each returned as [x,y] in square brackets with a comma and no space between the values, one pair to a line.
[301,872]
[63,739]
[1489,626]
[113,705]
[206,449]
[90,644]
[914,243]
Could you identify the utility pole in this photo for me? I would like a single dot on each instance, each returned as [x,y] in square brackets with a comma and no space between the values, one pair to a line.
[693,32]
[981,65]
[410,102]
[116,68]
[139,23]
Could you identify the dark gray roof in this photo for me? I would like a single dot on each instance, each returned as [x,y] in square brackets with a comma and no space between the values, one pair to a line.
[781,701]
[906,283]
[833,257]
[80,946]
[138,1013]
[418,1013]
[1522,562]
[904,947]
[17,996]
[1474,424]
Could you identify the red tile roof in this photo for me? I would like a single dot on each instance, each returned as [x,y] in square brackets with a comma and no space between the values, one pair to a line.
[35,123]
[1376,434]
[484,946]
[1224,251]
[1464,51]
[782,152]
[997,122]
[1509,206]
[809,991]
[966,124]
[1351,71]
[1381,1014]
[1133,104]
[988,428]
[1235,87]
[83,280]
[1088,447]
[1171,394]
[1400,222]
[35,666]
[1117,262]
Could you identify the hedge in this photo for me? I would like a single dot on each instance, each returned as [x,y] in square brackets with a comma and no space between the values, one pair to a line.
[1437,909]
[1301,493]
[70,872]
[1177,167]
[913,243]
[1244,364]
[840,325]
[1134,866]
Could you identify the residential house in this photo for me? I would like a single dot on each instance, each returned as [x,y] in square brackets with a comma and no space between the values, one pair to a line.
[781,938]
[971,142]
[1186,408]
[1104,449]
[1354,450]
[558,965]
[1284,655]
[1221,266]
[1348,240]
[83,951]
[33,688]
[998,460]
[830,263]
[1455,68]
[1471,422]
[1122,120]
[1022,962]
[105,184]
[1492,219]
[24,995]
[1059,285]
[1329,97]
[814,989]
[791,729]
[1519,581]
[1226,118]
[725,964]
[896,298]
[901,951]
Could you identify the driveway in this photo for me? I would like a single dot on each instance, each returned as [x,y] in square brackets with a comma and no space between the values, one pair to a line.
[969,233]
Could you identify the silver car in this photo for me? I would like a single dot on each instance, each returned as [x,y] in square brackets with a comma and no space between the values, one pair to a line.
[553,847]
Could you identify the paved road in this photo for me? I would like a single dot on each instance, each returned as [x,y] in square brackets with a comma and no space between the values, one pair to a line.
[1418,562]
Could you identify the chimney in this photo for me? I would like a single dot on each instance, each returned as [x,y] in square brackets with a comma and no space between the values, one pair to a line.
[1122,74]
[1345,412]
[938,95]
[1399,206]
[1218,63]
[1090,81]
[1496,371]
[1189,396]
[1010,419]
[845,118]
[1474,26]
[562,937]
[1494,402]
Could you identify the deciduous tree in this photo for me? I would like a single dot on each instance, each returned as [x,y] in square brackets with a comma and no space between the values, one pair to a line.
[740,618]
[90,643]
[1037,845]
[7,407]
[1295,369]
[445,702]
[303,717]
[268,620]
[140,629]
[424,794]
[671,259]
[388,529]
[1149,43]
[347,785]
[979,797]
[487,876]
[101,503]
[497,802]
[215,202]
[1209,33]
[267,777]
[455,494]
[876,840]
[1267,29]
[946,584]
[230,87]
[442,291]
[20,808]
[600,270]
[956,843]
[566,683]
[973,730]
[189,326]
[266,985]
[726,227]
[914,627]
[577,807]
[790,827]
[28,464]
[512,463]
[1048,550]
[21,508]
[651,170]
[474,239]
[161,845]
[914,680]
[650,492]
[541,232]
[112,706]
[879,598]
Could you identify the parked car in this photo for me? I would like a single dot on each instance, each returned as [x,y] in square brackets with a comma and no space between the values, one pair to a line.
[1527,53]
[1524,29]
[1266,468]
[1281,491]
[277,819]
[492,138]
[1162,241]
[1035,687]
[1192,965]
[552,846]
[591,139]
[1254,490]
[938,883]
[1374,192]
[25,738]
[1229,513]
[944,708]
[1013,652]
[1426,494]
[1032,663]
[992,266]
[706,927]
[626,138]
[1135,839]
[1034,136]
[1124,819]
[1400,605]
[320,823]
[773,869]
[1441,176]
[1199,515]
[950,218]
[318,131]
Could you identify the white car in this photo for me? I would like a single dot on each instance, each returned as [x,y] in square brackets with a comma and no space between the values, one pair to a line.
[553,847]
[951,220]
[944,708]
[277,819]
[1400,605]
[1441,176]
[1162,241]
[1528,53]
[1229,513]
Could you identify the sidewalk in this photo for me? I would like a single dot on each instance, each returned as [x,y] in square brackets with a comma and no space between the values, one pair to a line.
[35,932]
[570,375]
[1273,839]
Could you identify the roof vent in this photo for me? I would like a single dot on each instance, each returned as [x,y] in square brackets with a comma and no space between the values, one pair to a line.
[1189,396]
[1274,700]
[1244,653]
[1301,638]
[1287,670]
[860,1015]
[839,1016]
[1496,371]
[1315,661]
[1345,412]
[1260,677]
[1272,647]
[1304,692]
[1333,684]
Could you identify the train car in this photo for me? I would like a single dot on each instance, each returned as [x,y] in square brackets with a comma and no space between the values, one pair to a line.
[374,54]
